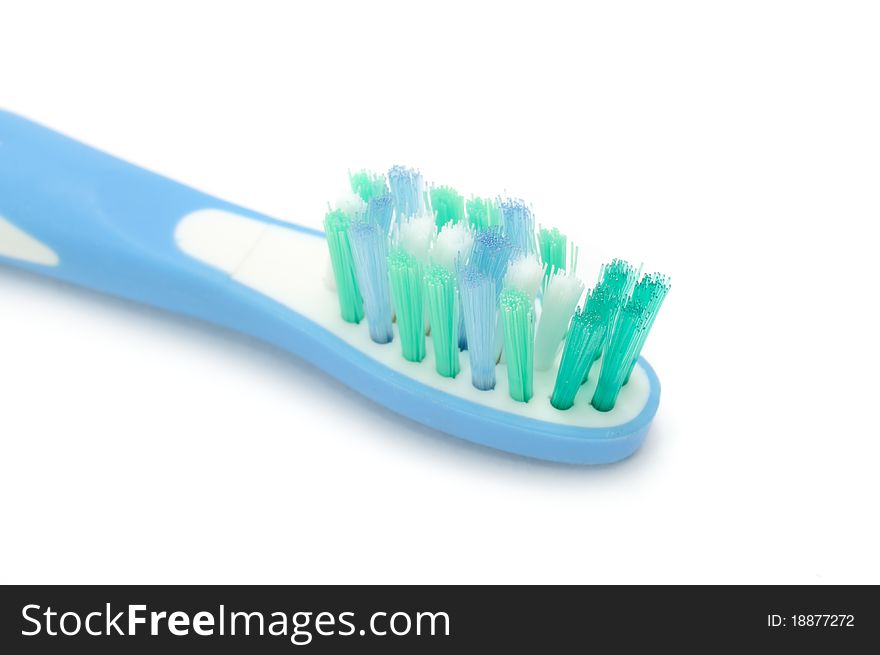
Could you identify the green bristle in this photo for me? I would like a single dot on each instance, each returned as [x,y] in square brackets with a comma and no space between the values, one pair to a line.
[405,274]
[630,332]
[620,277]
[585,334]
[483,213]
[620,351]
[518,321]
[552,244]
[351,305]
[368,185]
[448,205]
[650,292]
[604,303]
[556,253]
[616,280]
[443,312]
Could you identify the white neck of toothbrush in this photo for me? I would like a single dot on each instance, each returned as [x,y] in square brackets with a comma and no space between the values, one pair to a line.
[18,244]
[289,267]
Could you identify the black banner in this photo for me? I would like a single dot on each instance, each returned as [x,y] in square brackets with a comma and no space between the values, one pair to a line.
[119,619]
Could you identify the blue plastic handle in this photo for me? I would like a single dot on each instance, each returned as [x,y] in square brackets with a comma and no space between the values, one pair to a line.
[112,226]
[111,223]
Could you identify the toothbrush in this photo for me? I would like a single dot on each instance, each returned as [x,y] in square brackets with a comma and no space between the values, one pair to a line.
[71,212]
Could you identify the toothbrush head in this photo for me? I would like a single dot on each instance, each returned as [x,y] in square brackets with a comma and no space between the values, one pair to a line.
[489,283]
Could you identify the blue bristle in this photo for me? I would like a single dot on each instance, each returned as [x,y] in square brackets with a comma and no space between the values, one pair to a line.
[462,332]
[369,251]
[491,254]
[479,308]
[379,211]
[407,190]
[519,225]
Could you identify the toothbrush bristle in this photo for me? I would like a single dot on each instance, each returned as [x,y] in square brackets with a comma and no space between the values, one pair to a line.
[405,273]
[605,303]
[368,245]
[483,213]
[491,254]
[585,335]
[479,308]
[518,320]
[453,245]
[519,225]
[470,273]
[620,277]
[448,205]
[351,204]
[416,236]
[368,185]
[525,273]
[617,279]
[552,246]
[407,190]
[441,295]
[649,292]
[380,210]
[619,352]
[336,223]
[452,249]
[557,307]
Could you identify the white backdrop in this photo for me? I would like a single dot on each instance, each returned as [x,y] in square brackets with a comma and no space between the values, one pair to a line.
[734,146]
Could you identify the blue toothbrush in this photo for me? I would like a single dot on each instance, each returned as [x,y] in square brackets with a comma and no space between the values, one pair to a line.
[71,212]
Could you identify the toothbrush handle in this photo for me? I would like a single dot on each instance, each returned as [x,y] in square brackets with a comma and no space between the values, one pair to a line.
[109,224]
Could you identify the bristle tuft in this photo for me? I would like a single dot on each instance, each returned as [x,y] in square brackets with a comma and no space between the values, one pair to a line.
[351,204]
[525,273]
[631,329]
[368,245]
[518,319]
[405,273]
[616,282]
[584,339]
[554,253]
[453,245]
[519,225]
[416,236]
[448,205]
[443,310]
[649,292]
[336,224]
[483,213]
[478,305]
[452,249]
[557,307]
[408,191]
[619,352]
[491,254]
[380,210]
[368,185]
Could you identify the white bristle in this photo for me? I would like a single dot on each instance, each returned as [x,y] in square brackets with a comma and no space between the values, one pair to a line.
[557,307]
[417,234]
[452,245]
[525,274]
[352,204]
